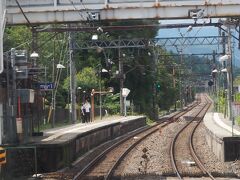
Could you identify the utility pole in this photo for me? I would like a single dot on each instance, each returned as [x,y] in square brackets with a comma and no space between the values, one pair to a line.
[230,77]
[180,80]
[13,101]
[54,88]
[2,22]
[72,80]
[121,76]
[155,107]
[224,42]
[174,86]
[100,89]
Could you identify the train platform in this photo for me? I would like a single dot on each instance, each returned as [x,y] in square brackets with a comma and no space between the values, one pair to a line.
[220,125]
[222,136]
[59,147]
[64,133]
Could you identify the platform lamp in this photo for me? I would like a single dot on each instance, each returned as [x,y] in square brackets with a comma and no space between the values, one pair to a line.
[224,70]
[224,58]
[95,37]
[34,56]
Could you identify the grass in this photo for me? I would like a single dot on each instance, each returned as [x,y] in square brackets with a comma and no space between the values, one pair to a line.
[238,120]
[149,121]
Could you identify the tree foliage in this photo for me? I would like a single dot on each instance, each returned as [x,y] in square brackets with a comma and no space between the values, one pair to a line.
[86,79]
[17,37]
[142,67]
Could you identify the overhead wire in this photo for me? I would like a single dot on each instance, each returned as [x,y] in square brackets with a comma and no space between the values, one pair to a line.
[89,19]
[32,27]
[45,42]
[84,7]
[29,24]
[25,16]
[61,61]
[29,42]
[20,45]
[77,9]
[59,70]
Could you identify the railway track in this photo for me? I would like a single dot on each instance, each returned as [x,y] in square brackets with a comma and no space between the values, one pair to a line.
[189,164]
[105,164]
[107,159]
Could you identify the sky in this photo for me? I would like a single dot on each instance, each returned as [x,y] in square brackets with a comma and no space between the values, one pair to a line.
[196,32]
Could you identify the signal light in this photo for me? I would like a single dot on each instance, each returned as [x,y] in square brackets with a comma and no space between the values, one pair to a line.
[158,87]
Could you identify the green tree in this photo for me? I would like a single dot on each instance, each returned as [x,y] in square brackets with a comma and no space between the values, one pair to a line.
[111,103]
[17,37]
[87,79]
[53,49]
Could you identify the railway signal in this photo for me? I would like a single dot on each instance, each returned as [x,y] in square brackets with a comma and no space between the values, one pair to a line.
[158,86]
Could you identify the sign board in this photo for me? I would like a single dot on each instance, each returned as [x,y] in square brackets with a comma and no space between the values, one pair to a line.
[125,92]
[128,104]
[19,125]
[21,72]
[26,95]
[20,57]
[46,86]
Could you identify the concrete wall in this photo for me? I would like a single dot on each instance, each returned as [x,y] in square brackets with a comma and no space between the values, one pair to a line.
[216,144]
[52,157]
[220,141]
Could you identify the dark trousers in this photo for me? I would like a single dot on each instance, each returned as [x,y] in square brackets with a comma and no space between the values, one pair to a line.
[83,118]
[87,116]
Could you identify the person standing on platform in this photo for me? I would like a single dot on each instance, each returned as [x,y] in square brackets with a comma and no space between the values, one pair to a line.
[87,107]
[83,113]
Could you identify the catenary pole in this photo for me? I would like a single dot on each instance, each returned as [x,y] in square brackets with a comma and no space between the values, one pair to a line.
[121,77]
[72,81]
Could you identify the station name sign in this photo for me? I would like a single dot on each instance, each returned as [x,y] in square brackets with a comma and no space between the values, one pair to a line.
[46,86]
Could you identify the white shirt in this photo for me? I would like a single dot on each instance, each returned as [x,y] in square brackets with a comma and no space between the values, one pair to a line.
[87,107]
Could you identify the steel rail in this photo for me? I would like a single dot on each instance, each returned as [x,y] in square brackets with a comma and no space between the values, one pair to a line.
[174,118]
[123,155]
[172,147]
[171,119]
[192,149]
[181,113]
[102,155]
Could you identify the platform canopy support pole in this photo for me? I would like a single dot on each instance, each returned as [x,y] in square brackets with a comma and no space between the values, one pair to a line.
[2,26]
